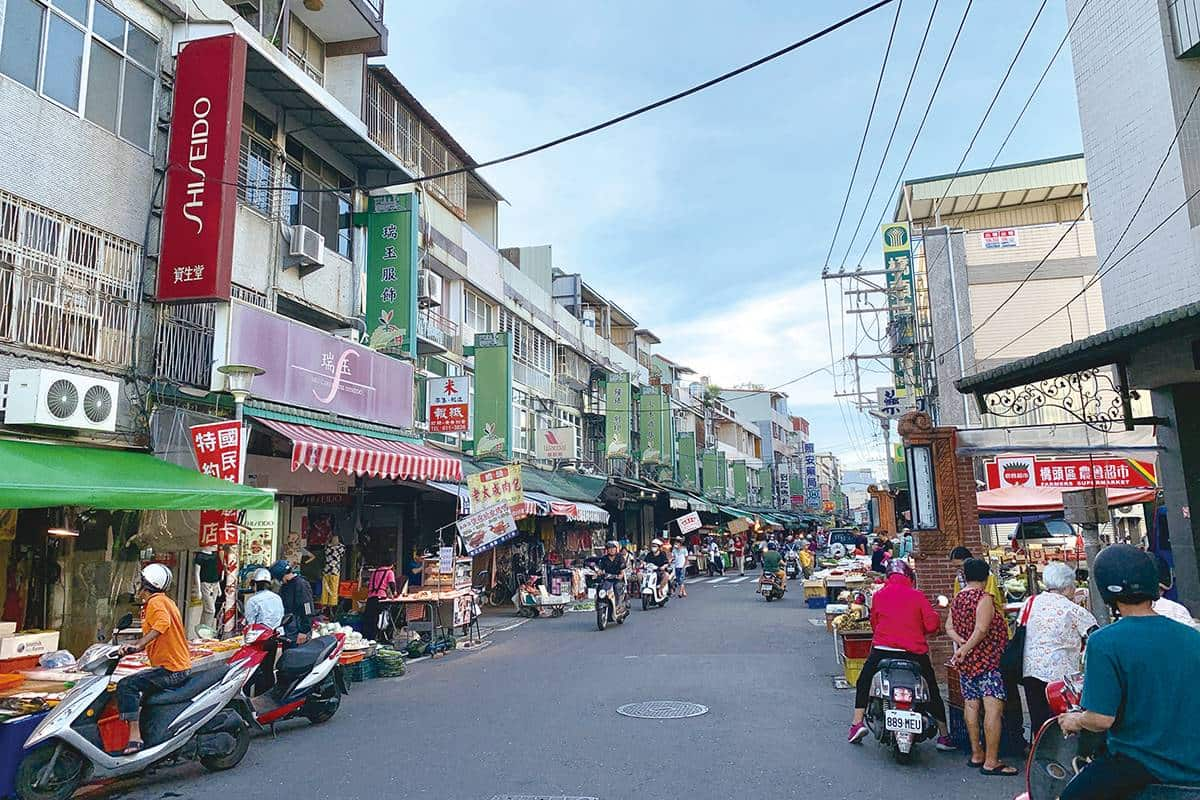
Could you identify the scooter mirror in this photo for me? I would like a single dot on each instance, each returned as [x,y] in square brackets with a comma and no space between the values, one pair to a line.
[943,601]
[125,621]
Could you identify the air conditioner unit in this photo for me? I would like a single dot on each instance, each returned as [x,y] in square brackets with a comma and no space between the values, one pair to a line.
[429,288]
[307,246]
[353,334]
[589,318]
[61,400]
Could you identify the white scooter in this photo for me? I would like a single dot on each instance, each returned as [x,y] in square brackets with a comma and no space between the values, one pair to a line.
[205,719]
[655,592]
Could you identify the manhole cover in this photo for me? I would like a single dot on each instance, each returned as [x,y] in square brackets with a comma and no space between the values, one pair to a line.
[662,709]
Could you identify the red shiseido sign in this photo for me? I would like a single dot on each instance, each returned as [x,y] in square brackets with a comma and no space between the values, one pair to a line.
[196,261]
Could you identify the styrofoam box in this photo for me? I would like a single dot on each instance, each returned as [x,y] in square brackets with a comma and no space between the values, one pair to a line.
[7,628]
[28,644]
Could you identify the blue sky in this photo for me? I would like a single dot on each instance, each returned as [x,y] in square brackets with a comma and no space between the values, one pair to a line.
[709,220]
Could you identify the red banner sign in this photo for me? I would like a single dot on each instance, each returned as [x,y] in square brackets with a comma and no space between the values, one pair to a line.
[218,449]
[1070,473]
[199,210]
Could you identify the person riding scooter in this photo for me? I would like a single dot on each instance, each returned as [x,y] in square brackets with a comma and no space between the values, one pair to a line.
[773,562]
[1137,687]
[165,644]
[614,564]
[661,559]
[264,607]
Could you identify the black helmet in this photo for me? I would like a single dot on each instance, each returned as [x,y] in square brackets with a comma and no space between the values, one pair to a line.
[1126,573]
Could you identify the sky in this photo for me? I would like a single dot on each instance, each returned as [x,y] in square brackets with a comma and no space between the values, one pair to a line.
[710,220]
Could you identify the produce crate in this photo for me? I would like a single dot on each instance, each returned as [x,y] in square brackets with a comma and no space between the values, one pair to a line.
[362,671]
[856,645]
[816,602]
[814,589]
[853,668]
[1012,734]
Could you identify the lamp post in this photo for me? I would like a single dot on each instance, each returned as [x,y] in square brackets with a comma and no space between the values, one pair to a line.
[238,378]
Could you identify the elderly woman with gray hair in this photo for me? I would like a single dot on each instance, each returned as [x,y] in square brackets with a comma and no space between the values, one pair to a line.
[1054,632]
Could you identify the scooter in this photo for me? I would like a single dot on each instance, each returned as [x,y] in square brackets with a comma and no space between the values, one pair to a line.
[791,563]
[655,592]
[608,609]
[206,719]
[1056,758]
[771,587]
[897,689]
[303,681]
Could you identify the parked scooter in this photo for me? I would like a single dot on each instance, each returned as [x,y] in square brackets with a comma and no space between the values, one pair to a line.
[897,690]
[655,592]
[608,608]
[771,587]
[205,719]
[1056,758]
[303,681]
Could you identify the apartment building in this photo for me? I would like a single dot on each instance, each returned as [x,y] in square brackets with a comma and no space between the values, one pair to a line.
[768,410]
[977,237]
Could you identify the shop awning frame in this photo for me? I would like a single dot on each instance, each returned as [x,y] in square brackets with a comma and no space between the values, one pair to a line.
[323,450]
[44,475]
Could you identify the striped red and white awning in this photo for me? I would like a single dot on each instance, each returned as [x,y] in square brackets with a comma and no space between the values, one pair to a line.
[321,450]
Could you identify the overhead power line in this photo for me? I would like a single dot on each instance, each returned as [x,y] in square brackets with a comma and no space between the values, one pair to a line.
[608,123]
[866,130]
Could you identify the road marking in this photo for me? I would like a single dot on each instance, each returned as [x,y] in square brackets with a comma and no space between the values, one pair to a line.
[739,580]
[516,624]
[820,623]
[716,580]
[690,581]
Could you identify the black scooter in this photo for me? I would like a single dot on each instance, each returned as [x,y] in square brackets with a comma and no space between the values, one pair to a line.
[608,608]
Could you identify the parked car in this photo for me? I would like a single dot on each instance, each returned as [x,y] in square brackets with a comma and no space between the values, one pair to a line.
[1046,532]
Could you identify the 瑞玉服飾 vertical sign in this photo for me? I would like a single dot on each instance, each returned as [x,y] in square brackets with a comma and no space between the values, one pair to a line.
[493,410]
[219,449]
[688,468]
[448,404]
[618,416]
[392,273]
[199,207]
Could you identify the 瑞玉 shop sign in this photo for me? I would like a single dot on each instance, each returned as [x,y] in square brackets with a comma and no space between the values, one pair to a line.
[308,368]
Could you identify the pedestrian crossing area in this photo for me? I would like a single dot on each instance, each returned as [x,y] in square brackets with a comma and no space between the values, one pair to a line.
[721,581]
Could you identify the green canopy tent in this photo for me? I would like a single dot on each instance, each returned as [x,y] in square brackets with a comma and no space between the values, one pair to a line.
[38,475]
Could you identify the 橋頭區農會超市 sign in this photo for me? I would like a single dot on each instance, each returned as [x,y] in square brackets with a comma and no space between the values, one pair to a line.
[1070,473]
[309,368]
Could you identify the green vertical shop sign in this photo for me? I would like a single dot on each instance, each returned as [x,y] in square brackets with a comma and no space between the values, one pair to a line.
[796,491]
[618,416]
[392,274]
[654,425]
[722,474]
[714,473]
[764,487]
[493,413]
[687,471]
[741,482]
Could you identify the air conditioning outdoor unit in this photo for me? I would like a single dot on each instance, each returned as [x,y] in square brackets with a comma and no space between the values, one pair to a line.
[307,246]
[61,400]
[589,318]
[353,334]
[429,288]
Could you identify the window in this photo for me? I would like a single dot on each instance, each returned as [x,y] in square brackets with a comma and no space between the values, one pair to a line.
[477,312]
[530,346]
[104,71]
[306,50]
[323,203]
[256,168]
[525,422]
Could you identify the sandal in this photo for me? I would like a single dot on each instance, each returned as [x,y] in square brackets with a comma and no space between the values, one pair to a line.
[974,764]
[1001,769]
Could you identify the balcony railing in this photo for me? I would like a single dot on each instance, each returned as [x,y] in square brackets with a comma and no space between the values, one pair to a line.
[183,348]
[438,330]
[65,287]
[538,381]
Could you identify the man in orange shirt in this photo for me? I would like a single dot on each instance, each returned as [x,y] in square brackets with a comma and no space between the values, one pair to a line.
[165,645]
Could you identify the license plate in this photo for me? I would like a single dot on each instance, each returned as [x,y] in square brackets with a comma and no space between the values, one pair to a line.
[907,721]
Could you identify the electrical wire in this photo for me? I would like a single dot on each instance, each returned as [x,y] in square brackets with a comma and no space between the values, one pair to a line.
[892,136]
[866,130]
[917,136]
[628,115]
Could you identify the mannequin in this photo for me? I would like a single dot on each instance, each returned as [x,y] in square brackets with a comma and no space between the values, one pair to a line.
[331,575]
[207,575]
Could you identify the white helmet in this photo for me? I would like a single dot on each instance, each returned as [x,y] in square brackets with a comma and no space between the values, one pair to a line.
[261,575]
[156,576]
[656,542]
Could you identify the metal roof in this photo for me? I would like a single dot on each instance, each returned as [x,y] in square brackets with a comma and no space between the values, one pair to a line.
[988,189]
[1107,347]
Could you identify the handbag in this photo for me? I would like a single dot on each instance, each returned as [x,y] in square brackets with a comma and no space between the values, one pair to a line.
[1012,660]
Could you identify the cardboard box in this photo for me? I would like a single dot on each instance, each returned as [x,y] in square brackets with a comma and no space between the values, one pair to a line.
[7,629]
[22,645]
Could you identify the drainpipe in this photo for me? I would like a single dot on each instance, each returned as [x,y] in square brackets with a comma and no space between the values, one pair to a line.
[962,369]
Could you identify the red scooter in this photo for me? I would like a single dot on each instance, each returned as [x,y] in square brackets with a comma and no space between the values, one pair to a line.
[1056,758]
[298,681]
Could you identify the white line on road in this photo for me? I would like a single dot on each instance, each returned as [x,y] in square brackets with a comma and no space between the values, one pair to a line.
[716,580]
[516,624]
[690,581]
[739,580]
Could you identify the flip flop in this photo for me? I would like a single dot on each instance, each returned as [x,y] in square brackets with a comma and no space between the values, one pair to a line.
[1003,770]
[974,764]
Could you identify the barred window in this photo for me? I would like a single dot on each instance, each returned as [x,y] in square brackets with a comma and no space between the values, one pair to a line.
[256,167]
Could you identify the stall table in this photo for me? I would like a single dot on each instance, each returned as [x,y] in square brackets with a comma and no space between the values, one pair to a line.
[463,611]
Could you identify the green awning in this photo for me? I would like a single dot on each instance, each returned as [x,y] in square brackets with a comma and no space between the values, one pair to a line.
[47,475]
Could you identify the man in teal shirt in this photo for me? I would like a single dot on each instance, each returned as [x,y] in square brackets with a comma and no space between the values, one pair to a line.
[1137,688]
[771,561]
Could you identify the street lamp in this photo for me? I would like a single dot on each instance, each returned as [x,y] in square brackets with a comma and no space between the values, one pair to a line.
[238,378]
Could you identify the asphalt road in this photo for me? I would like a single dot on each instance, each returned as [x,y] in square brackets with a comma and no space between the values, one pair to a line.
[534,713]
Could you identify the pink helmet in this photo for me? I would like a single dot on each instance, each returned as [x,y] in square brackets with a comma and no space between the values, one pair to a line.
[898,566]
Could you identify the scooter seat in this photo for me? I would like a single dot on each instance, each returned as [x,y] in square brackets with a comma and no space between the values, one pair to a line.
[900,663]
[301,659]
[195,684]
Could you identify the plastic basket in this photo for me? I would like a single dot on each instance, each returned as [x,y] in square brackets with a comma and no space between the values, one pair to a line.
[856,646]
[362,671]
[854,667]
[816,602]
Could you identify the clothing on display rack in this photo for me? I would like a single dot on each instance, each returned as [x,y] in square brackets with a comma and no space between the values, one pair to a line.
[208,577]
[331,573]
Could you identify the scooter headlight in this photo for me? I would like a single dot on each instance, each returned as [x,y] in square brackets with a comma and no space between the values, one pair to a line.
[603,593]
